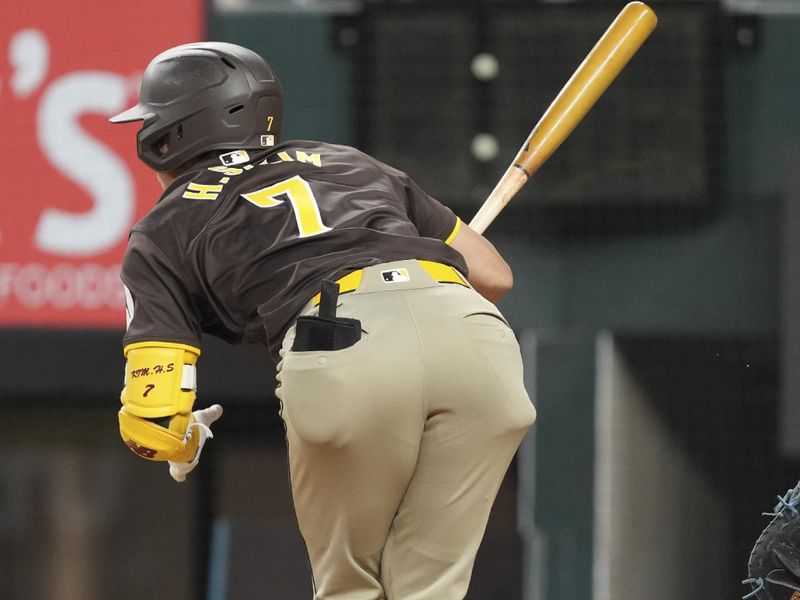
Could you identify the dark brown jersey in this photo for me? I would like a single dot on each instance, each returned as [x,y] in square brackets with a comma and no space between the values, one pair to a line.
[235,247]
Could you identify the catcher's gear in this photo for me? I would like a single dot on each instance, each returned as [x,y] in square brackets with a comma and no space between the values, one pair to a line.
[774,565]
[156,415]
[204,96]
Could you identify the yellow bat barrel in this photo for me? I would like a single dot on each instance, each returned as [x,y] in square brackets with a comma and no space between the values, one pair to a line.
[600,67]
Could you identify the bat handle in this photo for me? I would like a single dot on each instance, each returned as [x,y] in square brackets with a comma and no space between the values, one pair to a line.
[510,183]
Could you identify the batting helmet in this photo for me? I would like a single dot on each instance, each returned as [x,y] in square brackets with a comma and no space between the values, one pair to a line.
[204,96]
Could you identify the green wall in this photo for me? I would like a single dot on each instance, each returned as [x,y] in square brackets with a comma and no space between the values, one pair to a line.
[720,278]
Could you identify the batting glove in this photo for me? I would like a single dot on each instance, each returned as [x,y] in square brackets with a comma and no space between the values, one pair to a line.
[201,426]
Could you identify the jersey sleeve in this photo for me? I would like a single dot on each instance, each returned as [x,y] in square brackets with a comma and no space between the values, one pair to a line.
[431,218]
[157,301]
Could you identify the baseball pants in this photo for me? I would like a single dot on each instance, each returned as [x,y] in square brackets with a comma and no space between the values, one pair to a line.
[398,444]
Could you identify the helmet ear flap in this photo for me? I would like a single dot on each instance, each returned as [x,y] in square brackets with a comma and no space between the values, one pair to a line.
[160,147]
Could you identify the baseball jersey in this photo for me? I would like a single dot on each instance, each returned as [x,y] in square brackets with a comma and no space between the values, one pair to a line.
[237,245]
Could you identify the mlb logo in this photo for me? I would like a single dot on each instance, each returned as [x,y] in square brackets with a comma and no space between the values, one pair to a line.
[395,275]
[267,140]
[236,157]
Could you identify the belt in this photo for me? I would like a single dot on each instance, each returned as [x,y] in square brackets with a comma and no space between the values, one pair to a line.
[437,271]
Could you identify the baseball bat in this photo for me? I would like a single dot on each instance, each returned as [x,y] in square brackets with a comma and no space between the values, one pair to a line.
[600,67]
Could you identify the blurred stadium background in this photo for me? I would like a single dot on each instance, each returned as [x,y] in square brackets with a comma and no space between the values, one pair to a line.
[657,262]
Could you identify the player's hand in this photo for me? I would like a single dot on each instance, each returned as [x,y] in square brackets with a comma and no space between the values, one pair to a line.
[200,426]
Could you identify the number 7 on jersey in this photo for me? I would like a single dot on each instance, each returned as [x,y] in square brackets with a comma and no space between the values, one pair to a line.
[301,198]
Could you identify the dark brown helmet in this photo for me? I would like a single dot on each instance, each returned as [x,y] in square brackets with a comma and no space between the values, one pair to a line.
[204,96]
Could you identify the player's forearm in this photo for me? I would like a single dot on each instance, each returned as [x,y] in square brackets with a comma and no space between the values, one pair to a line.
[489,273]
[496,286]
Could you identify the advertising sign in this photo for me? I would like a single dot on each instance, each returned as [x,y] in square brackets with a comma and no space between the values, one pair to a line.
[72,185]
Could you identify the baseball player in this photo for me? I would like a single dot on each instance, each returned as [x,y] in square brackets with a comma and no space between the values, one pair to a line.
[400,382]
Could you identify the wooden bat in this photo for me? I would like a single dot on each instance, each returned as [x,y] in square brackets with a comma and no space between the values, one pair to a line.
[600,67]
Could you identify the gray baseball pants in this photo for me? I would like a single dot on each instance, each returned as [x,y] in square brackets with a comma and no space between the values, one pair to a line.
[398,444]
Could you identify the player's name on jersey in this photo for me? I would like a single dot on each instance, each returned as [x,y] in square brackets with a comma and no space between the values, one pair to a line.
[204,191]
